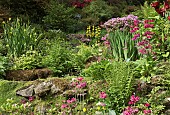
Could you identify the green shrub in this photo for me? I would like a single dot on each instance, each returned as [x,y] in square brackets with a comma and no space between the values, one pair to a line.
[82,55]
[32,10]
[60,16]
[145,12]
[96,11]
[19,37]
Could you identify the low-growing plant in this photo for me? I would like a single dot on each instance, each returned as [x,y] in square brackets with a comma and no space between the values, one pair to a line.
[59,58]
[3,65]
[29,60]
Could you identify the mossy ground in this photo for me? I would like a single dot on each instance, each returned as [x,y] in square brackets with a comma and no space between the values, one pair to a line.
[8,90]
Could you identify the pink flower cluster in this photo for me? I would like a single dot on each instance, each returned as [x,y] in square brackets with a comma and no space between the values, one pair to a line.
[133,100]
[106,42]
[78,83]
[69,101]
[103,95]
[79,4]
[144,46]
[130,111]
[147,24]
[133,110]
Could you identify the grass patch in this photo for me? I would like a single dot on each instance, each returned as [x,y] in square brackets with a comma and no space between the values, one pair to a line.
[8,90]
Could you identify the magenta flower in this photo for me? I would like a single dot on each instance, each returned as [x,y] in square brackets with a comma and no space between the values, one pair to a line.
[146,104]
[81,85]
[73,100]
[130,111]
[148,46]
[136,36]
[148,25]
[106,42]
[31,98]
[69,101]
[133,100]
[143,51]
[143,42]
[146,111]
[103,95]
[64,106]
[136,22]
[126,113]
[80,78]
[134,29]
[149,36]
[148,33]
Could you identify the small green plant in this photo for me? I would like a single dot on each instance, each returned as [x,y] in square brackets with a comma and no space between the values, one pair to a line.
[19,37]
[3,65]
[13,107]
[29,60]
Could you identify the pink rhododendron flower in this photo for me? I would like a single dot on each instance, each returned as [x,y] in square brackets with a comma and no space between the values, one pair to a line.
[103,95]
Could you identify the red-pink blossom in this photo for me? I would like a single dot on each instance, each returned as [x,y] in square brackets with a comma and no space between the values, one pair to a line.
[31,98]
[64,106]
[80,78]
[146,104]
[148,25]
[133,100]
[142,51]
[103,95]
[146,111]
